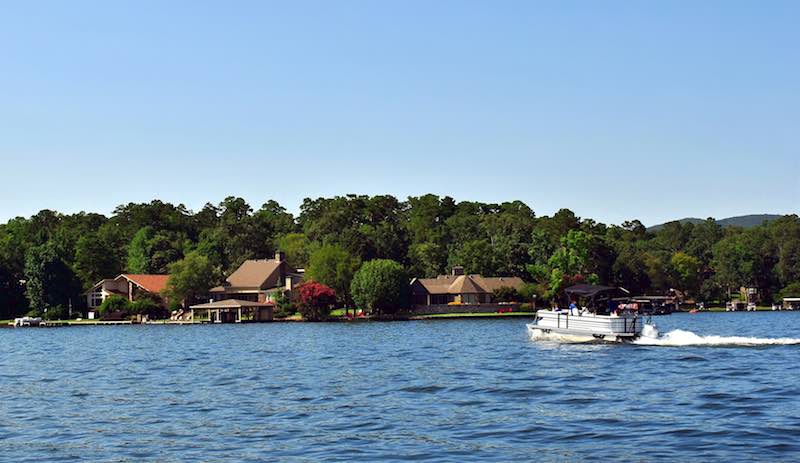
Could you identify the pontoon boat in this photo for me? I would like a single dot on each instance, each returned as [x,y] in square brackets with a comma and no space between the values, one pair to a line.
[613,323]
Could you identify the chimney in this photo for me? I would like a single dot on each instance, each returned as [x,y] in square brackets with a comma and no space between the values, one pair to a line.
[280,256]
[458,270]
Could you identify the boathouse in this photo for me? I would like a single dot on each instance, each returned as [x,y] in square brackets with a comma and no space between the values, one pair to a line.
[232,311]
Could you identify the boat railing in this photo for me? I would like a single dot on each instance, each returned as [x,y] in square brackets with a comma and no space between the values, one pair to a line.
[626,323]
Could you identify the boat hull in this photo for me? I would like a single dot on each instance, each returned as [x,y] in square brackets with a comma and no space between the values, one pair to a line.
[560,326]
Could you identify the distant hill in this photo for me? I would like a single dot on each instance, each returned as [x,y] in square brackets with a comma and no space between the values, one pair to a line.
[744,221]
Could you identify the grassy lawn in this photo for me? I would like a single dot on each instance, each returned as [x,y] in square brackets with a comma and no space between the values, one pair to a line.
[295,317]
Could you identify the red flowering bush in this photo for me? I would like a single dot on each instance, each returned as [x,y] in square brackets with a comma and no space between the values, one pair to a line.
[316,300]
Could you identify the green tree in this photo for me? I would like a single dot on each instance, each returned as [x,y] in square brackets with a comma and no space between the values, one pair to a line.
[687,269]
[151,252]
[139,251]
[568,264]
[240,235]
[97,256]
[702,240]
[380,286]
[273,220]
[367,227]
[573,255]
[427,259]
[49,280]
[738,261]
[630,269]
[475,256]
[158,215]
[12,295]
[509,230]
[557,226]
[190,278]
[296,247]
[333,266]
[784,241]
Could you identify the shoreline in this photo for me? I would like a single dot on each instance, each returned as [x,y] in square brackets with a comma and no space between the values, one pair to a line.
[336,319]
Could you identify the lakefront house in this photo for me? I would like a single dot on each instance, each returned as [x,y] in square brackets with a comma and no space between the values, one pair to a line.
[259,280]
[127,285]
[458,288]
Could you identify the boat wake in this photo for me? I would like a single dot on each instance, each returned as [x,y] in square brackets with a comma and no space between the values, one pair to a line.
[539,335]
[680,338]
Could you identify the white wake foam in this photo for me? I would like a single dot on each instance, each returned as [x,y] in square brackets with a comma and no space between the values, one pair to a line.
[679,338]
[539,335]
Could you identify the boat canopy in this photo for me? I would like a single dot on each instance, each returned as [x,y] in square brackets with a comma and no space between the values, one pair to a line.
[584,290]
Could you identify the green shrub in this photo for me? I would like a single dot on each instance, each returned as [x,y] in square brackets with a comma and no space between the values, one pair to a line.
[148,307]
[791,290]
[506,294]
[58,312]
[284,307]
[115,303]
[33,313]
[528,291]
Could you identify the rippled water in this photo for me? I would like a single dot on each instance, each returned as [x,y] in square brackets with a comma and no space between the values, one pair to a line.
[456,390]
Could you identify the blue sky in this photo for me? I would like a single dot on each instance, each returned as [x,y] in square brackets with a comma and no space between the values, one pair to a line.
[616,110]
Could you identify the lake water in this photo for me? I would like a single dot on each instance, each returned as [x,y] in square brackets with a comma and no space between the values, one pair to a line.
[454,390]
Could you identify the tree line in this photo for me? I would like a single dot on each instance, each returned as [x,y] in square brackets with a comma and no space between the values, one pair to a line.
[49,259]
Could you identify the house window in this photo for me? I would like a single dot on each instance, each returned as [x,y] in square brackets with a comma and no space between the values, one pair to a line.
[95,299]
[469,298]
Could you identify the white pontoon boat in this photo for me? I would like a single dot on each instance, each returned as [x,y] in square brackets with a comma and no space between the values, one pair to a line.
[617,324]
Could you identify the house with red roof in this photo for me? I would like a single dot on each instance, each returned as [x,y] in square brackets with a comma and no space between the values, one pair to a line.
[127,285]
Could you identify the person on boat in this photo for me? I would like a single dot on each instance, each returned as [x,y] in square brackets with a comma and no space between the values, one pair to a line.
[573,308]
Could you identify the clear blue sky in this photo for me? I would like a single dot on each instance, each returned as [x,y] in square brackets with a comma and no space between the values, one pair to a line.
[617,110]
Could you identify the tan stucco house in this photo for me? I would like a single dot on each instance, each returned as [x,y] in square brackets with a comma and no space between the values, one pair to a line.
[459,288]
